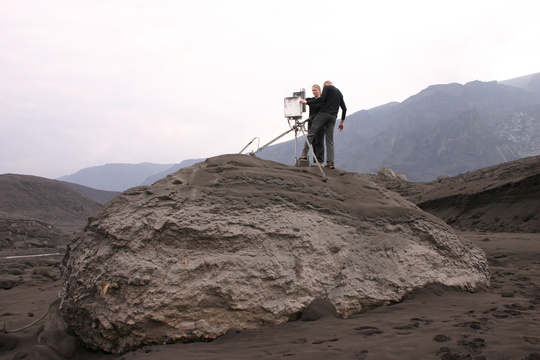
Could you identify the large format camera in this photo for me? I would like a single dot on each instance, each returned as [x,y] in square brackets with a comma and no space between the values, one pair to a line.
[293,108]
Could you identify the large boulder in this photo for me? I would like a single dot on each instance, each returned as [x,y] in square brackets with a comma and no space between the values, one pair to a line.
[239,242]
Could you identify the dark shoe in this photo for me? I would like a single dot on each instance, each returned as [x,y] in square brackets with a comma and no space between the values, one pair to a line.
[303,156]
[330,165]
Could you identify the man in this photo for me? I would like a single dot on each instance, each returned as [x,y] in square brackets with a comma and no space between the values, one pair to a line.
[331,100]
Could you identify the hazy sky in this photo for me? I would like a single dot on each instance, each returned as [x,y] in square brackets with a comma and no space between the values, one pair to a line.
[90,82]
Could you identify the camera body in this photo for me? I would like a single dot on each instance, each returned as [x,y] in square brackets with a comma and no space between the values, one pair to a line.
[293,108]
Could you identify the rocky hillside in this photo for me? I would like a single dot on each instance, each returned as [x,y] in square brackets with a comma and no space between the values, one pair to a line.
[501,198]
[39,212]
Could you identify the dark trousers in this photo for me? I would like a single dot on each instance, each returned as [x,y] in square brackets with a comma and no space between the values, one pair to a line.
[324,123]
[317,144]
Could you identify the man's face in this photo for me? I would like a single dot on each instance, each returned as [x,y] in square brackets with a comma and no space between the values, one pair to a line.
[316,92]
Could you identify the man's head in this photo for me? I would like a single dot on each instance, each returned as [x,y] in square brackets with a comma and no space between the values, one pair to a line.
[327,82]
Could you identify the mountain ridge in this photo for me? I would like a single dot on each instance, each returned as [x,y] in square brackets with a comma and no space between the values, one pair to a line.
[529,82]
[115,177]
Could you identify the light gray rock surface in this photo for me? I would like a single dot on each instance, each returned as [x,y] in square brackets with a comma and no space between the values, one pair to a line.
[239,242]
[389,174]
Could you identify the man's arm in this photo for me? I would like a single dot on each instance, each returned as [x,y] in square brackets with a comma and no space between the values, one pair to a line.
[341,125]
[343,109]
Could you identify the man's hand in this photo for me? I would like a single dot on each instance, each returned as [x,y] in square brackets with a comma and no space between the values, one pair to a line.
[341,125]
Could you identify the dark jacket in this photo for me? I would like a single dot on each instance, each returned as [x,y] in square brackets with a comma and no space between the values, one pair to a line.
[331,100]
[314,108]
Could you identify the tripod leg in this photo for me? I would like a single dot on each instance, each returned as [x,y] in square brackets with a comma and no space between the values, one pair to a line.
[319,165]
[271,142]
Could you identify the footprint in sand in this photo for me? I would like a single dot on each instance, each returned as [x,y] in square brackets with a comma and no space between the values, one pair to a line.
[368,331]
[414,324]
[473,346]
[361,355]
[316,342]
[513,310]
[441,338]
[531,340]
[480,325]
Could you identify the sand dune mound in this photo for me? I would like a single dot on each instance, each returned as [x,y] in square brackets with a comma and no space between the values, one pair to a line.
[237,242]
[37,213]
[500,198]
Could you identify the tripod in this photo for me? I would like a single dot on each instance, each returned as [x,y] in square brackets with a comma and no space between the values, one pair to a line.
[298,126]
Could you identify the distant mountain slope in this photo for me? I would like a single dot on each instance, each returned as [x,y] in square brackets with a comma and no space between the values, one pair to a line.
[500,198]
[100,196]
[115,177]
[153,178]
[39,212]
[529,82]
[444,130]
